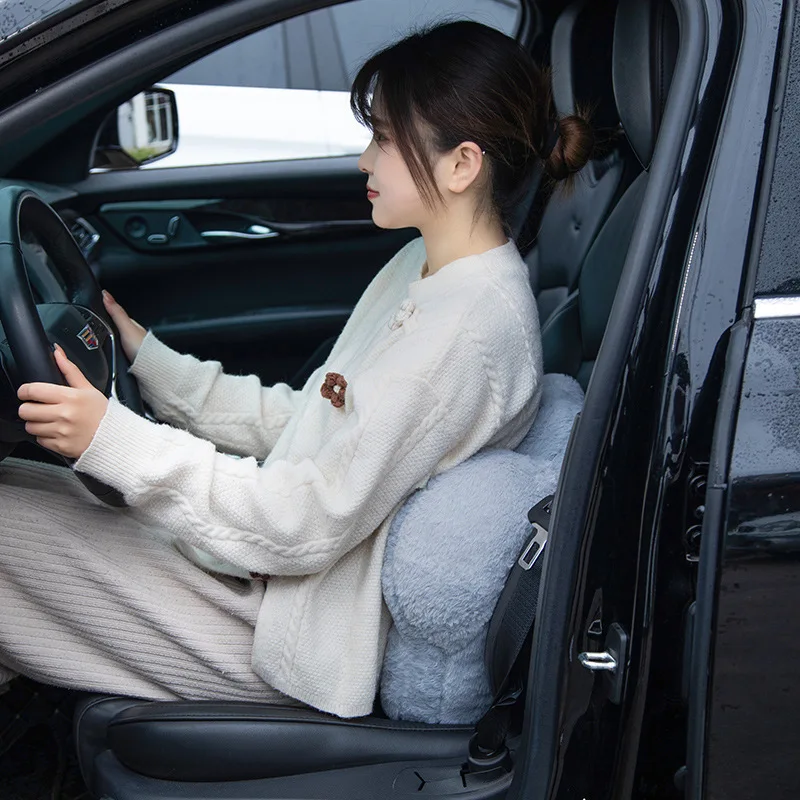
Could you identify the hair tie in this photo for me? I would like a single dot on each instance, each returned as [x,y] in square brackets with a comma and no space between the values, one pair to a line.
[552,139]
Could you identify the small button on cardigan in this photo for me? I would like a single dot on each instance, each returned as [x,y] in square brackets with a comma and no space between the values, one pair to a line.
[310,501]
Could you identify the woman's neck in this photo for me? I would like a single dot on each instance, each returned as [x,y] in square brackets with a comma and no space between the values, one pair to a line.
[447,243]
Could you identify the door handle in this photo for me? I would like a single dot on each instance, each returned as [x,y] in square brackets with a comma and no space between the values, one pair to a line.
[259,231]
[253,233]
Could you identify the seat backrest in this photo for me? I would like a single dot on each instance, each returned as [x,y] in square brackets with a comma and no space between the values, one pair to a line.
[580,52]
[645,48]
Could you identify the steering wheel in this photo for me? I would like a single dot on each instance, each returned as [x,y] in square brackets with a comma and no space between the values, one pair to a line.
[67,309]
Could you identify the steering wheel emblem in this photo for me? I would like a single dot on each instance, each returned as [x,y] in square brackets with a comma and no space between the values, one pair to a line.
[89,338]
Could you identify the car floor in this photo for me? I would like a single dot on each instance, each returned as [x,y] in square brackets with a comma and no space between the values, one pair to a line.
[37,752]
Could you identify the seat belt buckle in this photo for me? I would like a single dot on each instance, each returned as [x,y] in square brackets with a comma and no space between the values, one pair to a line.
[539,517]
[534,548]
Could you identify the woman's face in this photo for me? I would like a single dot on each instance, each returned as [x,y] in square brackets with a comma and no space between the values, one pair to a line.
[396,201]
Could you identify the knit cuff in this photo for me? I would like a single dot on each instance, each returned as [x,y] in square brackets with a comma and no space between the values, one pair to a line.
[123,449]
[158,368]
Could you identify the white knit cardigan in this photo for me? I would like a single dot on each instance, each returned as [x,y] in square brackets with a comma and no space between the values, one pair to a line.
[436,369]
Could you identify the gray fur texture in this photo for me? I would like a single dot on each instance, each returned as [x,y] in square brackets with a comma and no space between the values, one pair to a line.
[448,554]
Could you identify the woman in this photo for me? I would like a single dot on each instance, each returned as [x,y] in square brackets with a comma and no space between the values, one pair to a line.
[259,578]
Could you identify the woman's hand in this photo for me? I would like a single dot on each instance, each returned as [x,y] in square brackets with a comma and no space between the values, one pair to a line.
[63,419]
[131,332]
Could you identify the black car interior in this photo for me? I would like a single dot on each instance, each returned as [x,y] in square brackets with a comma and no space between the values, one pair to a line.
[244,750]
[618,59]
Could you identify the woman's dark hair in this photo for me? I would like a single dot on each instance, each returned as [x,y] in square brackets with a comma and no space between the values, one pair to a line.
[464,81]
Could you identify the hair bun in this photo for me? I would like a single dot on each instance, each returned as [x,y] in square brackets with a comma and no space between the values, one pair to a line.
[572,149]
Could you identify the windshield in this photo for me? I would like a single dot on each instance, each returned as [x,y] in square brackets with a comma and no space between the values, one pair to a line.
[16,15]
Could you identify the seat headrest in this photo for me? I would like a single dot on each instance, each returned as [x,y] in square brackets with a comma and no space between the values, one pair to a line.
[645,49]
[580,56]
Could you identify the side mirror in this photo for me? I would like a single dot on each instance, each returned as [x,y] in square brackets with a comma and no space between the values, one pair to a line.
[142,130]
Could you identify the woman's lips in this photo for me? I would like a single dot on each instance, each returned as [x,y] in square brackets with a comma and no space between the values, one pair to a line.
[371,194]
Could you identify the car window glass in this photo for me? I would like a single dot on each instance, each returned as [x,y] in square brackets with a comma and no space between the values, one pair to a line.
[16,15]
[283,93]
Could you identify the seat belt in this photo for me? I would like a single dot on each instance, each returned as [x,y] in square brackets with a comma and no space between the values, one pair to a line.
[509,631]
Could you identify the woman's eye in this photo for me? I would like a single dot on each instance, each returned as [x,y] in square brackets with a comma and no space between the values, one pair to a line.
[379,137]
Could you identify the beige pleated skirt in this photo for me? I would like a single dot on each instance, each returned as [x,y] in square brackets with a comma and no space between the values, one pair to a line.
[92,598]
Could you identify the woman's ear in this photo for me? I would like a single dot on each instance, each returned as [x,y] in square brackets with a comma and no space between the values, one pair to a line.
[466,164]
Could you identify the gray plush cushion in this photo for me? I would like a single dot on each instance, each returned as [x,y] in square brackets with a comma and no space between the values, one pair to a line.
[449,551]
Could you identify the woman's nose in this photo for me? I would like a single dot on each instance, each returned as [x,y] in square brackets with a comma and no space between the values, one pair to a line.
[364,161]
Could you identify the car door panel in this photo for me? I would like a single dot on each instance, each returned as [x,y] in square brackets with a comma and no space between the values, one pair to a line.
[257,303]
[263,308]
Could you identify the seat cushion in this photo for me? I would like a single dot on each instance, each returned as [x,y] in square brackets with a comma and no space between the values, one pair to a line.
[184,741]
[448,554]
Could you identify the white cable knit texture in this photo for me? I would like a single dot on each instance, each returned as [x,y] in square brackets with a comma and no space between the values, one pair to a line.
[310,501]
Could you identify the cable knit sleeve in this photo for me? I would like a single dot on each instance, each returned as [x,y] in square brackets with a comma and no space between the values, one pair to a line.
[299,516]
[234,412]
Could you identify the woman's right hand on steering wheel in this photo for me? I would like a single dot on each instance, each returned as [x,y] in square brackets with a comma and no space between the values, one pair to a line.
[131,332]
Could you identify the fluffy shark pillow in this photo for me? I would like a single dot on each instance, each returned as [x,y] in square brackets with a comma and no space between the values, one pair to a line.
[449,551]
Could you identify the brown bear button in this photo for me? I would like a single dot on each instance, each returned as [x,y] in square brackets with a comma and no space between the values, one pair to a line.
[333,389]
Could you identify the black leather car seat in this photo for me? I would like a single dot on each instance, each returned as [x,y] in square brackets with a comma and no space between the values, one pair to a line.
[645,48]
[581,56]
[132,749]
